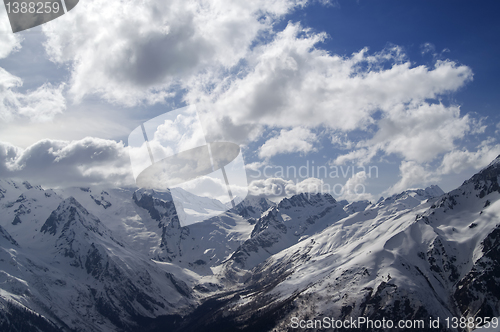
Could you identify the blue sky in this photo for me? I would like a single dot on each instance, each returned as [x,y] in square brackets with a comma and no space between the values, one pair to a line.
[404,87]
[469,32]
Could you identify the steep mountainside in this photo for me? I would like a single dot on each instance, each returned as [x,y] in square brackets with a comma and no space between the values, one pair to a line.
[75,273]
[409,257]
[95,259]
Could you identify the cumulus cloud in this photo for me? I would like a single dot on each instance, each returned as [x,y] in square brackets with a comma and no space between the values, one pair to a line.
[363,156]
[457,161]
[227,55]
[355,188]
[8,155]
[39,105]
[9,42]
[255,166]
[291,82]
[279,187]
[94,161]
[131,52]
[413,175]
[90,161]
[288,141]
[213,187]
[420,133]
[270,187]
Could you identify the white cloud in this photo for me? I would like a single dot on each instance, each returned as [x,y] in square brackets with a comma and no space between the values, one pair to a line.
[355,188]
[42,104]
[412,175]
[213,187]
[457,161]
[8,155]
[362,156]
[279,188]
[288,141]
[269,187]
[39,105]
[342,141]
[420,133]
[290,82]
[9,42]
[255,166]
[92,161]
[131,52]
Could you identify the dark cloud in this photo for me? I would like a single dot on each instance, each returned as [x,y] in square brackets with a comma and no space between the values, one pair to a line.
[90,161]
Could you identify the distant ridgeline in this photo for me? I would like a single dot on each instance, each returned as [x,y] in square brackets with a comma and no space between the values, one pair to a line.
[109,259]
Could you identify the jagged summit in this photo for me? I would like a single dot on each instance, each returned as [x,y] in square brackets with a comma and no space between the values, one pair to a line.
[164,195]
[409,199]
[487,180]
[420,194]
[253,206]
[69,212]
[304,199]
[356,206]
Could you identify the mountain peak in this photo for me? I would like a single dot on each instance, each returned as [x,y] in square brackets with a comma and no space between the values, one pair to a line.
[68,212]
[163,195]
[486,180]
[253,206]
[420,194]
[303,199]
[158,207]
[357,206]
[434,191]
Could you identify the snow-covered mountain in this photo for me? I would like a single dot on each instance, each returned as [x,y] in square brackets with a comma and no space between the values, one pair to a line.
[412,256]
[282,226]
[96,259]
[71,269]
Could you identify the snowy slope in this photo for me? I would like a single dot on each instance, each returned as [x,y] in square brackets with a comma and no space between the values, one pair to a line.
[102,259]
[282,226]
[411,256]
[147,221]
[79,276]
[24,209]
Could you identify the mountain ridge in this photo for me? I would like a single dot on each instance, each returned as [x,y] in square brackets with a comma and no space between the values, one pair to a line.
[116,259]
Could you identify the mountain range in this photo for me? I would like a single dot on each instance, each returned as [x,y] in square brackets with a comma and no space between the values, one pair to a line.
[101,259]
